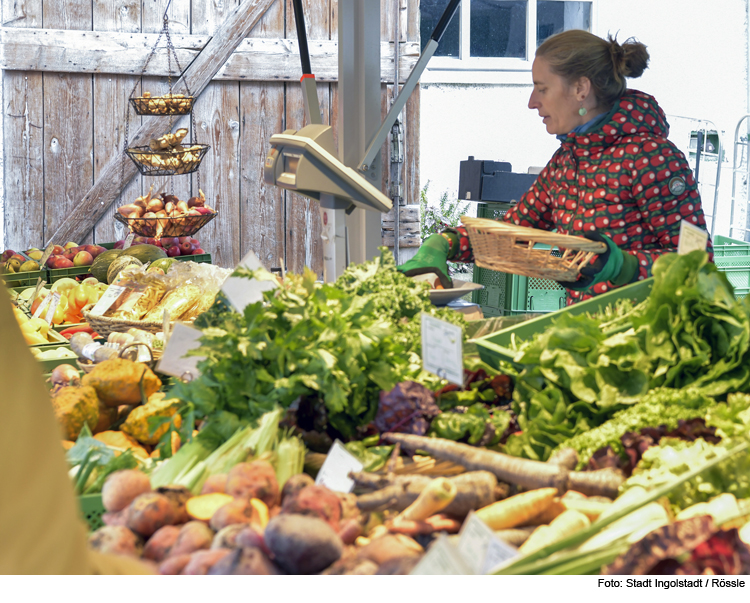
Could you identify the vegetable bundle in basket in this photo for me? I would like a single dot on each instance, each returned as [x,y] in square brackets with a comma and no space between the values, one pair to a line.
[168,104]
[166,155]
[513,249]
[165,215]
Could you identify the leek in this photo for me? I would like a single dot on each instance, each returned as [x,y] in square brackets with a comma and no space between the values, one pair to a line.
[180,463]
[290,458]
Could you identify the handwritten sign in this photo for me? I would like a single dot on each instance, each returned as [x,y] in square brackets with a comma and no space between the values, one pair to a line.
[334,474]
[441,559]
[242,291]
[442,349]
[174,360]
[110,296]
[692,237]
[128,241]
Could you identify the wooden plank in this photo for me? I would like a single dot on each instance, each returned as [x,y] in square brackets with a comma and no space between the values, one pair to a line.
[304,246]
[257,59]
[218,123]
[405,240]
[407,213]
[68,130]
[404,228]
[23,155]
[178,15]
[411,156]
[262,210]
[111,94]
[197,75]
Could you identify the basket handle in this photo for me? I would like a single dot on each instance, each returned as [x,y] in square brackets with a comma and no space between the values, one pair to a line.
[135,343]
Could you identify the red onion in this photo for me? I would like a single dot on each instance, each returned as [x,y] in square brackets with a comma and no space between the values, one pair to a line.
[65,374]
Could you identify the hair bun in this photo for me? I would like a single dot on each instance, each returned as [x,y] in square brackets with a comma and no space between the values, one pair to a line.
[629,59]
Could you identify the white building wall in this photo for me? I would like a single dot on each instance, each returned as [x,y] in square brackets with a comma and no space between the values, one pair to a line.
[698,69]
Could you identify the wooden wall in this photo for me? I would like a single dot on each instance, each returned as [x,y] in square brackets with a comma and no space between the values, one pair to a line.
[64,119]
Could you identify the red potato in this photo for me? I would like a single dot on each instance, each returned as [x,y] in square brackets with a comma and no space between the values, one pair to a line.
[215,483]
[173,566]
[193,536]
[250,537]
[245,562]
[159,546]
[202,561]
[350,530]
[149,512]
[122,487]
[241,511]
[294,484]
[301,544]
[178,496]
[318,501]
[116,540]
[391,546]
[254,480]
[116,518]
[226,538]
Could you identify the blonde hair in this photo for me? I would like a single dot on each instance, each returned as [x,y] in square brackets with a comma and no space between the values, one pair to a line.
[576,53]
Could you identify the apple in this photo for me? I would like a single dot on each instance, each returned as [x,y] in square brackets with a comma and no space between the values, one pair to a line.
[57,261]
[186,248]
[139,239]
[198,251]
[18,256]
[119,244]
[70,254]
[174,251]
[83,258]
[59,250]
[151,241]
[167,242]
[94,250]
[7,254]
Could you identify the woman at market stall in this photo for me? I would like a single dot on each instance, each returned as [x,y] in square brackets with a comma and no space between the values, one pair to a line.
[40,528]
[615,177]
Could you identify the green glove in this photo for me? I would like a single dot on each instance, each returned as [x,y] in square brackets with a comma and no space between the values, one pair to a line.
[431,258]
[613,265]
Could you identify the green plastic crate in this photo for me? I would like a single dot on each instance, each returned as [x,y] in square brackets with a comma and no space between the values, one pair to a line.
[48,366]
[92,510]
[496,347]
[201,258]
[75,271]
[23,279]
[726,247]
[511,294]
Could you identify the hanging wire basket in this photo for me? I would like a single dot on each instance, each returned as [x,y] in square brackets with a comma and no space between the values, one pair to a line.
[168,162]
[180,226]
[168,104]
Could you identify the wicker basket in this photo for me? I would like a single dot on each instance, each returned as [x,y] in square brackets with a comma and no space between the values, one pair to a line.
[87,366]
[167,162]
[183,226]
[104,325]
[162,105]
[510,248]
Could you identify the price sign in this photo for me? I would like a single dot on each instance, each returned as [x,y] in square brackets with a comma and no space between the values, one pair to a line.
[46,254]
[174,361]
[442,349]
[242,291]
[480,548]
[54,302]
[442,559]
[692,237]
[110,296]
[334,474]
[128,241]
[498,552]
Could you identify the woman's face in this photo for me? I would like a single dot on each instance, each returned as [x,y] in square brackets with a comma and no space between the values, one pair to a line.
[554,99]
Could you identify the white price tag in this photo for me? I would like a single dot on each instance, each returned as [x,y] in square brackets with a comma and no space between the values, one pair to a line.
[40,308]
[109,297]
[128,241]
[334,474]
[52,307]
[498,552]
[480,548]
[442,559]
[173,361]
[692,237]
[242,291]
[442,349]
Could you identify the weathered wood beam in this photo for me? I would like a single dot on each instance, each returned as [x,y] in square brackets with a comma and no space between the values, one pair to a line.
[255,59]
[197,76]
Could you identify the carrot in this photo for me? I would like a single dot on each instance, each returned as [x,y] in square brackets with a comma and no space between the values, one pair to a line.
[555,509]
[518,509]
[523,472]
[564,525]
[436,523]
[438,494]
[204,506]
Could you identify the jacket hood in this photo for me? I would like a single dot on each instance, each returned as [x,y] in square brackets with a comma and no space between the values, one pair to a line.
[634,113]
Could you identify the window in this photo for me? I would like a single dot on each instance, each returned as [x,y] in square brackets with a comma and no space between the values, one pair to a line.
[499,35]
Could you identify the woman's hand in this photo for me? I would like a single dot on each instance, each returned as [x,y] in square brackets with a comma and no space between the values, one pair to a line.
[613,265]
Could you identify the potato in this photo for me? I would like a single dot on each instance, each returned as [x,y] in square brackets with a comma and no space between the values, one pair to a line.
[318,501]
[122,487]
[398,566]
[159,546]
[202,561]
[226,538]
[254,480]
[350,530]
[351,565]
[116,540]
[390,546]
[249,537]
[179,496]
[294,484]
[116,518]
[301,544]
[245,562]
[193,536]
[237,511]
[149,512]
[173,566]
[215,483]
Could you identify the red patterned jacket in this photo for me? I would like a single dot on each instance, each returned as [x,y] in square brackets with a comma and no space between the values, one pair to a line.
[625,179]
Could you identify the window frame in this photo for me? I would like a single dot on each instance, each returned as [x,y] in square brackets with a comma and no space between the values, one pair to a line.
[466,69]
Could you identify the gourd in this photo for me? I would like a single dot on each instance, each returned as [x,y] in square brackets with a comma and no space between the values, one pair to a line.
[120,263]
[102,262]
[75,406]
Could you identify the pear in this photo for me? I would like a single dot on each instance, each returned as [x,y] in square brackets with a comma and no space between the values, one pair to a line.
[29,266]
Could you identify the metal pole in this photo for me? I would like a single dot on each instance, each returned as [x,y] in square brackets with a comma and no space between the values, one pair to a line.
[395,165]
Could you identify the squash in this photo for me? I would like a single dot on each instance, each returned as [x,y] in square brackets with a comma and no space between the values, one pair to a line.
[101,264]
[145,253]
[118,439]
[120,263]
[75,406]
[117,381]
[165,264]
[158,405]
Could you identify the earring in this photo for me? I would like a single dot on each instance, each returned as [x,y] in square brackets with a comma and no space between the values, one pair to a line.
[582,111]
